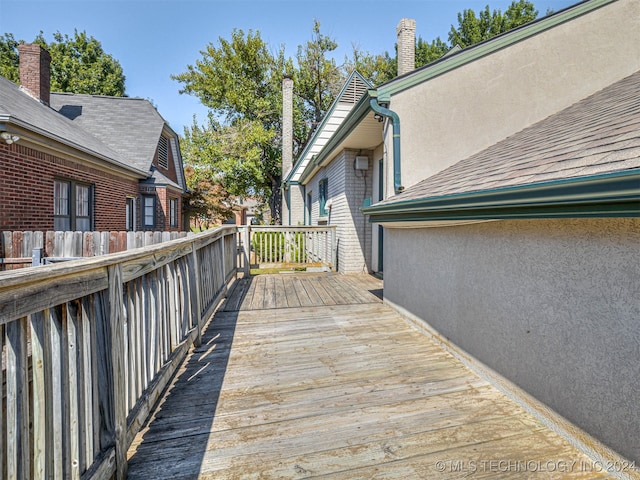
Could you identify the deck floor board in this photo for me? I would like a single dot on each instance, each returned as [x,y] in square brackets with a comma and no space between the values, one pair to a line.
[312,376]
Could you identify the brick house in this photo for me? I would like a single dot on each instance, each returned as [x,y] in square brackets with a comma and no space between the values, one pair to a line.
[84,162]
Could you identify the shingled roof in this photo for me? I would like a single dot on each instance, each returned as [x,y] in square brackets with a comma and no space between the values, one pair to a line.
[131,126]
[597,136]
[19,108]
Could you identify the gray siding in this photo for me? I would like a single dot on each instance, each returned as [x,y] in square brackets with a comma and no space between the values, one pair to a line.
[552,305]
[347,190]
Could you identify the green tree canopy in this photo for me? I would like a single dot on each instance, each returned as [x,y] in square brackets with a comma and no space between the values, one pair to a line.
[78,64]
[486,24]
[472,28]
[240,80]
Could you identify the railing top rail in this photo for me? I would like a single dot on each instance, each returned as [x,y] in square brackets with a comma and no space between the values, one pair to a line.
[276,228]
[21,290]
[14,277]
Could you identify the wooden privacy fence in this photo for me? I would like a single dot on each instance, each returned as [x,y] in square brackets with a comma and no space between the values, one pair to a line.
[88,346]
[16,248]
[291,247]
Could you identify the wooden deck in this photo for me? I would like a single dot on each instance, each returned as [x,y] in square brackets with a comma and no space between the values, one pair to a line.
[304,376]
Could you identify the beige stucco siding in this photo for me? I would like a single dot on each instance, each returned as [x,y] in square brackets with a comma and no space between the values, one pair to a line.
[463,111]
[553,305]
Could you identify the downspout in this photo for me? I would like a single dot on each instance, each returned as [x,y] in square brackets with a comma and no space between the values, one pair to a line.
[395,119]
[289,202]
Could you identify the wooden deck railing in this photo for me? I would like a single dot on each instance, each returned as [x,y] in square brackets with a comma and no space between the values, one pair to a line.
[290,247]
[17,247]
[88,346]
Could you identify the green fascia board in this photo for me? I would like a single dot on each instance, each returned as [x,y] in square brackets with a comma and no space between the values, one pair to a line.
[613,194]
[350,123]
[485,48]
[325,119]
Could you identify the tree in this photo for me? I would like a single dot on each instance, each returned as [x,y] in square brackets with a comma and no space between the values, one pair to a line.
[473,29]
[208,203]
[78,64]
[429,52]
[317,78]
[9,58]
[240,81]
[376,68]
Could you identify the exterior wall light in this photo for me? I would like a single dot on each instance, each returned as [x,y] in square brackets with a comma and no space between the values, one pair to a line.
[9,138]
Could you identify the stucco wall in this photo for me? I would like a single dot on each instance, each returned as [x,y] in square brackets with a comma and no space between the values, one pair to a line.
[450,117]
[553,305]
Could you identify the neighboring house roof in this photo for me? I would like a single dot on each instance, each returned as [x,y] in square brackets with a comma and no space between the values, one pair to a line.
[157,178]
[21,110]
[131,126]
[581,161]
[354,88]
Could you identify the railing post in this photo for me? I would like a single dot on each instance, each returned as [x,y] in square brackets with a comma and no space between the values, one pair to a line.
[246,245]
[223,273]
[334,249]
[36,257]
[196,300]
[116,324]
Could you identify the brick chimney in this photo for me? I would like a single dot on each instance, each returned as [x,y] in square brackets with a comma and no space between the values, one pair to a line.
[35,73]
[287,125]
[406,32]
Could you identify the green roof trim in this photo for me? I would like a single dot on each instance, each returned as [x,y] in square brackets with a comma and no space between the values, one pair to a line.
[468,55]
[351,121]
[614,194]
[325,119]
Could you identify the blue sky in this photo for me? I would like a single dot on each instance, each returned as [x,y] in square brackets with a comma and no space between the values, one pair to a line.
[153,39]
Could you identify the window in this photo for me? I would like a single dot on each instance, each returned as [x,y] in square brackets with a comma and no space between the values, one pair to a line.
[149,211]
[163,152]
[309,206]
[61,215]
[173,212]
[131,215]
[83,211]
[72,206]
[323,191]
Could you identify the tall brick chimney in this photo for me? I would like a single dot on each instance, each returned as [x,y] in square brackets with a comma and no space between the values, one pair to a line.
[287,125]
[406,32]
[35,72]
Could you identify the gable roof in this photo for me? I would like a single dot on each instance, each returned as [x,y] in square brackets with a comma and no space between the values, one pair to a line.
[131,126]
[21,110]
[354,88]
[459,57]
[588,153]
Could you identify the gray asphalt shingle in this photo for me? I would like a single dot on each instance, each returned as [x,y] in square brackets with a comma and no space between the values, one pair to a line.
[18,107]
[598,135]
[131,126]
